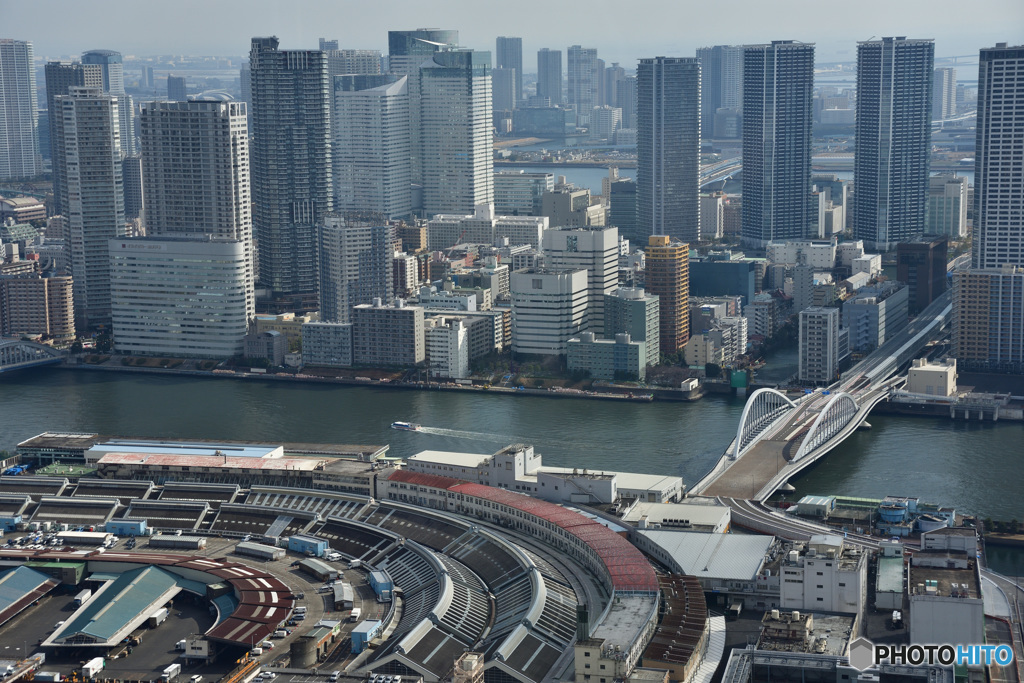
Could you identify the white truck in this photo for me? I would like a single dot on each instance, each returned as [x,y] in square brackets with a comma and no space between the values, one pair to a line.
[93,667]
[171,672]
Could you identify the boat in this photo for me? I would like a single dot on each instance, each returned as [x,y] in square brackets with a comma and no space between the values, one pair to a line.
[406,426]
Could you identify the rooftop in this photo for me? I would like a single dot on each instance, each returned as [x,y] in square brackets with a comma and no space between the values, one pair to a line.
[718,556]
[890,574]
[471,460]
[678,514]
[218,461]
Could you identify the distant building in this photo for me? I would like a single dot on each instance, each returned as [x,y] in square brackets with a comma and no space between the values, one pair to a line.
[60,78]
[112,72]
[503,92]
[176,88]
[622,210]
[922,266]
[712,215]
[947,206]
[180,296]
[19,138]
[389,335]
[549,307]
[444,231]
[22,209]
[778,82]
[271,345]
[987,305]
[944,93]
[570,207]
[637,313]
[668,277]
[134,202]
[721,89]
[549,75]
[618,358]
[354,260]
[596,250]
[327,344]
[508,54]
[583,82]
[875,315]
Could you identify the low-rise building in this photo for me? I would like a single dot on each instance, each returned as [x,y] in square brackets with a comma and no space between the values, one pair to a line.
[518,193]
[484,227]
[932,379]
[946,604]
[388,335]
[619,358]
[824,574]
[327,344]
[706,516]
[447,342]
[271,345]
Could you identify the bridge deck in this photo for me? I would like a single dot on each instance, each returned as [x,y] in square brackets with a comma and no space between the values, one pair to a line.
[748,475]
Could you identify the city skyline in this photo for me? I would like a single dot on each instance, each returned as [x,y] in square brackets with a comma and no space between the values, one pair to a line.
[226,30]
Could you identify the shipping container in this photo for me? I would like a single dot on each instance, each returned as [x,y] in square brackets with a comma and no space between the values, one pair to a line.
[82,597]
[93,667]
[158,617]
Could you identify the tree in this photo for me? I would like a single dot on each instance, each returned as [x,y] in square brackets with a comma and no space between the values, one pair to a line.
[712,370]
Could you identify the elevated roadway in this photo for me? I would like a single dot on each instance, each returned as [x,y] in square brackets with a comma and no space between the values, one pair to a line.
[18,354]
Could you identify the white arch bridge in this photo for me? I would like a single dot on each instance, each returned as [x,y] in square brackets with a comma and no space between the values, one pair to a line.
[17,354]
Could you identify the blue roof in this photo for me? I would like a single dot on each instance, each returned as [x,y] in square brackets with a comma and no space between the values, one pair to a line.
[115,605]
[15,584]
[226,604]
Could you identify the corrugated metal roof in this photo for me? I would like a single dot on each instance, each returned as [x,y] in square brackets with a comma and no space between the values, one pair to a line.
[213,461]
[423,479]
[20,587]
[736,557]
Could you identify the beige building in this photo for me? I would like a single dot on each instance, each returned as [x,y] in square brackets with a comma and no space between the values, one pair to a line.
[388,335]
[933,379]
[30,304]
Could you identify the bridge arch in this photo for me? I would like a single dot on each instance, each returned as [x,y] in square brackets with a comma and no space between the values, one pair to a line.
[763,408]
[19,353]
[837,413]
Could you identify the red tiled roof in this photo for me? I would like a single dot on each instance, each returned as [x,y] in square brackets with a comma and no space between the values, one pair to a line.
[423,479]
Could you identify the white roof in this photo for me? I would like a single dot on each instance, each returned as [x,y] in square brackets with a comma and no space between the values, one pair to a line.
[737,557]
[625,480]
[450,458]
[700,515]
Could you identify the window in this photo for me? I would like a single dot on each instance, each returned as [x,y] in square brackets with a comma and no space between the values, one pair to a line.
[821,599]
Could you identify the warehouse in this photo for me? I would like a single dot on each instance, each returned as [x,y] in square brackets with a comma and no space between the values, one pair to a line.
[177,542]
[19,588]
[259,550]
[343,596]
[321,570]
[307,545]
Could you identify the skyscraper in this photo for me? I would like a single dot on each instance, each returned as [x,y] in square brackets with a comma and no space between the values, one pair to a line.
[455,131]
[998,179]
[60,78]
[354,260]
[509,55]
[944,93]
[503,89]
[407,51]
[195,166]
[112,71]
[371,145]
[88,132]
[19,139]
[778,84]
[291,164]
[721,85]
[583,82]
[668,147]
[668,277]
[893,145]
[176,88]
[549,75]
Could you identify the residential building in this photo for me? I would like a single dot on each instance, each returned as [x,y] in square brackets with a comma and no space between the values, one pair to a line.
[134,201]
[271,345]
[549,307]
[354,259]
[876,314]
[819,345]
[88,132]
[605,121]
[181,295]
[291,165]
[503,93]
[778,82]
[721,88]
[712,215]
[638,314]
[723,277]
[288,324]
[19,135]
[922,266]
[327,344]
[444,231]
[625,99]
[60,78]
[176,91]
[668,148]
[988,319]
[518,193]
[549,75]
[583,82]
[618,358]
[944,93]
[372,145]
[405,274]
[947,206]
[407,50]
[668,278]
[817,254]
[893,140]
[112,72]
[596,250]
[388,335]
[447,340]
[349,62]
[32,304]
[509,55]
[622,210]
[456,131]
[998,180]
[826,575]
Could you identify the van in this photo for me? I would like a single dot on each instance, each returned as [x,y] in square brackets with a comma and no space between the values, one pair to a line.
[335,675]
[196,679]
[280,634]
[257,651]
[300,610]
[356,613]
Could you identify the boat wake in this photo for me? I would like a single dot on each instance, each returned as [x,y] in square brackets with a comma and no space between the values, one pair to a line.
[462,434]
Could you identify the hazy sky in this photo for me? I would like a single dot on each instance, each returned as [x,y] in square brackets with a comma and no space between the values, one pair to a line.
[622,31]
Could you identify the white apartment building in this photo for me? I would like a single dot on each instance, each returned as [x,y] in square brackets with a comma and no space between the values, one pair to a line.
[825,575]
[388,335]
[819,344]
[597,250]
[447,347]
[820,255]
[327,344]
[181,295]
[88,132]
[372,144]
[549,307]
[19,143]
[444,231]
[518,193]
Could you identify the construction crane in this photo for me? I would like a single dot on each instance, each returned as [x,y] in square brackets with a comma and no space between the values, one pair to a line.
[457,243]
